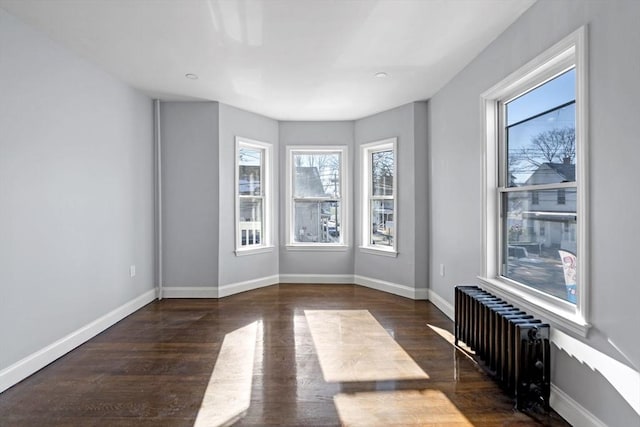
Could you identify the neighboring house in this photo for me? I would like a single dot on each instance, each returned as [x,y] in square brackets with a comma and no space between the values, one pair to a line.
[549,216]
[308,182]
[250,209]
[249,179]
[315,220]
[383,211]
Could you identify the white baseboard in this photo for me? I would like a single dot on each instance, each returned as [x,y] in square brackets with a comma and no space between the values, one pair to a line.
[381,285]
[189,292]
[317,278]
[571,410]
[422,294]
[235,288]
[34,362]
[442,304]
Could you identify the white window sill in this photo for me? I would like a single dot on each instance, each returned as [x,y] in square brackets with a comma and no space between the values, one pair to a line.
[381,252]
[559,313]
[254,251]
[317,247]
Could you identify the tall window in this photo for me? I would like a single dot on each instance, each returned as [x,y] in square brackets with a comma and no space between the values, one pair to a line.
[379,196]
[535,195]
[539,145]
[253,204]
[316,199]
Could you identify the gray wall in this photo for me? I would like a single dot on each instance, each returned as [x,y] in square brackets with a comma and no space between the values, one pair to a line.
[190,199]
[456,153]
[315,133]
[421,197]
[76,188]
[235,122]
[407,123]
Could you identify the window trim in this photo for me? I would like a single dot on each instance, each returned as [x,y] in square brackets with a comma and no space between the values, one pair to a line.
[569,52]
[344,198]
[266,245]
[366,150]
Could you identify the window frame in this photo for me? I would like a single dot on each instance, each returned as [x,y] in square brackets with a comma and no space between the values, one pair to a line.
[366,190]
[266,183]
[569,52]
[290,244]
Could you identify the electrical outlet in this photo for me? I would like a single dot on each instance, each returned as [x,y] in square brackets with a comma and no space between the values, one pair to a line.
[132,271]
[442,270]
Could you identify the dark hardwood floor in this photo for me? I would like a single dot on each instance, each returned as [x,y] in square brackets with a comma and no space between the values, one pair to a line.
[152,368]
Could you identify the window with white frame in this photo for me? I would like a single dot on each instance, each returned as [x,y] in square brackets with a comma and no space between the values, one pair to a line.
[535,184]
[379,212]
[253,203]
[316,198]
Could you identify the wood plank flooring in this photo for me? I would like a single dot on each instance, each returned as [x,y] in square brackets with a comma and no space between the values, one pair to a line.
[153,369]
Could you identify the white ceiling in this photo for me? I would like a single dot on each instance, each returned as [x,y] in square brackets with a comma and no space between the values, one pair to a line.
[285,59]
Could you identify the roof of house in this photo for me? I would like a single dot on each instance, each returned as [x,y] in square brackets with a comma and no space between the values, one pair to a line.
[308,182]
[546,173]
[567,170]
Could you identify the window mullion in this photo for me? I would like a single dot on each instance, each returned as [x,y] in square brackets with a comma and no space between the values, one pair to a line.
[538,187]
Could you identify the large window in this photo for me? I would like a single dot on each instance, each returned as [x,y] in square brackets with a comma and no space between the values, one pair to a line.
[379,230]
[316,200]
[253,203]
[535,186]
[538,140]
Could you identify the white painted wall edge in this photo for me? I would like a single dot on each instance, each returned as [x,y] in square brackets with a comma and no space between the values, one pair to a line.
[441,304]
[190,292]
[572,411]
[235,288]
[20,370]
[345,279]
[369,282]
[390,287]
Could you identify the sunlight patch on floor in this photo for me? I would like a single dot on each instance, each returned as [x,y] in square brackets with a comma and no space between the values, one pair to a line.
[228,394]
[399,408]
[352,346]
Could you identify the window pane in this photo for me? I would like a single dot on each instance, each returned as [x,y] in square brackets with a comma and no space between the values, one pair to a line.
[553,93]
[317,222]
[382,167]
[541,146]
[249,173]
[539,241]
[382,222]
[316,175]
[251,221]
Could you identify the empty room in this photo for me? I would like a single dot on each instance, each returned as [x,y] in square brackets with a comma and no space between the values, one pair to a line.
[319,212]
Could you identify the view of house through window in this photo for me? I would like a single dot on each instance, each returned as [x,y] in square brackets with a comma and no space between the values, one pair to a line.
[382,204]
[379,195]
[538,197]
[251,194]
[316,196]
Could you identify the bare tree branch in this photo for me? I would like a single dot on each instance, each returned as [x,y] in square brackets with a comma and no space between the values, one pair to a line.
[552,146]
